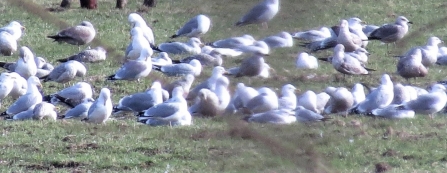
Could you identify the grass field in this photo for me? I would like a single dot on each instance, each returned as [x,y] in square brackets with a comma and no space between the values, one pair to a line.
[227,144]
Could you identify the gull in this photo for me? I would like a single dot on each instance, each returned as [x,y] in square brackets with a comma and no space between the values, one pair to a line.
[134,69]
[44,110]
[71,96]
[257,48]
[341,100]
[313,35]
[211,59]
[347,33]
[8,44]
[250,67]
[358,93]
[392,32]
[173,111]
[81,34]
[27,101]
[162,59]
[80,111]
[355,27]
[195,27]
[185,83]
[308,100]
[227,52]
[401,94]
[138,44]
[288,98]
[410,66]
[210,83]
[349,40]
[273,117]
[266,100]
[304,115]
[222,93]
[90,55]
[429,52]
[190,47]
[14,28]
[66,72]
[264,74]
[393,111]
[260,13]
[137,21]
[346,64]
[193,67]
[282,39]
[378,98]
[101,109]
[206,104]
[306,61]
[234,42]
[141,101]
[26,66]
[430,103]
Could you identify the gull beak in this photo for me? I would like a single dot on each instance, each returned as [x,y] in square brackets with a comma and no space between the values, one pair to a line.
[226,73]
[410,22]
[23,59]
[363,22]
[22,28]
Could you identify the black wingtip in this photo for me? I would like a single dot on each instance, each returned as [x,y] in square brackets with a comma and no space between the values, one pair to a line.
[3,114]
[174,36]
[155,48]
[47,98]
[175,61]
[370,69]
[64,100]
[85,119]
[324,59]
[111,77]
[156,67]
[62,60]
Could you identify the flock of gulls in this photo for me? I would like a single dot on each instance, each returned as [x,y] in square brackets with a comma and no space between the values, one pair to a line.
[167,104]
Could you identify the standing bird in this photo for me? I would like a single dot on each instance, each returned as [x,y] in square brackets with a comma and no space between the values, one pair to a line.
[429,52]
[195,27]
[26,66]
[81,34]
[261,13]
[138,43]
[350,41]
[101,109]
[390,33]
[137,21]
[347,64]
[134,69]
[410,66]
[378,98]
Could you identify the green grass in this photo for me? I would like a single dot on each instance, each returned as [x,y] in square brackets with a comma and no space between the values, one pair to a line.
[226,144]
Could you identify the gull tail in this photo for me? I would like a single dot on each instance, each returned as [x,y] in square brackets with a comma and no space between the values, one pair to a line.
[64,100]
[155,48]
[326,119]
[324,59]
[3,114]
[47,98]
[156,67]
[111,77]
[369,69]
[175,61]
